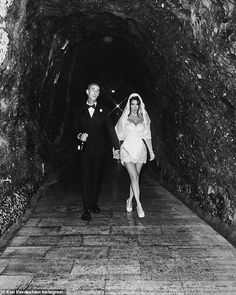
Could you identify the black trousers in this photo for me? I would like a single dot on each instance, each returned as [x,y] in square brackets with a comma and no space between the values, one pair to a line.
[92,169]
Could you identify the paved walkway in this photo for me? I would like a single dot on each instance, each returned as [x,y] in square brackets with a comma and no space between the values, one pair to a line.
[170,251]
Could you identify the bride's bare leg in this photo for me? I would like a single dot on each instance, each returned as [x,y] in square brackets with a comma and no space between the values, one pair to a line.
[133,174]
[131,193]
[138,168]
[134,179]
[129,206]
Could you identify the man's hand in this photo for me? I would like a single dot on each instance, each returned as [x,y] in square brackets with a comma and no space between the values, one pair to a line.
[82,136]
[116,154]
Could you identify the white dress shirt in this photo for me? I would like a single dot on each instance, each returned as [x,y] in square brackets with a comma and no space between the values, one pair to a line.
[91,110]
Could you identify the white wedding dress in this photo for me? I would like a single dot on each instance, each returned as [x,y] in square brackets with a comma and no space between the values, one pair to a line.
[133,148]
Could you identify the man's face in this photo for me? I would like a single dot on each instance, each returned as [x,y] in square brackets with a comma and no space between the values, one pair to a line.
[93,92]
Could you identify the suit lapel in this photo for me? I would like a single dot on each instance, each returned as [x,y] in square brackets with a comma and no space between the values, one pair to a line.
[86,116]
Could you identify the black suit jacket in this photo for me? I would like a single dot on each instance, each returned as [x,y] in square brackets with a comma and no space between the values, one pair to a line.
[97,128]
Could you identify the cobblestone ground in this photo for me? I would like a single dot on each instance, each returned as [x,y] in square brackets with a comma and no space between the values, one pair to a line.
[170,251]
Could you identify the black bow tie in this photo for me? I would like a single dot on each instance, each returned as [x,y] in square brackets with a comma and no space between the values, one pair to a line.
[90,106]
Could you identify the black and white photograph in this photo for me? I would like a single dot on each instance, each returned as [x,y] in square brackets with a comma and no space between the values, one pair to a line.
[118,147]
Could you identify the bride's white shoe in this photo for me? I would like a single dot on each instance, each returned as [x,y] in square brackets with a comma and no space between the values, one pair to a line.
[140,211]
[129,205]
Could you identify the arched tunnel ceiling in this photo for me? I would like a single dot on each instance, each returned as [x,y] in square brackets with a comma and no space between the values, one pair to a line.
[168,35]
[140,22]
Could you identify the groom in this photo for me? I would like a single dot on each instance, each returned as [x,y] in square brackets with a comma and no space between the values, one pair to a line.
[93,124]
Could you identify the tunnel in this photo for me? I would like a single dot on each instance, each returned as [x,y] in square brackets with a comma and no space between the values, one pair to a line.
[178,55]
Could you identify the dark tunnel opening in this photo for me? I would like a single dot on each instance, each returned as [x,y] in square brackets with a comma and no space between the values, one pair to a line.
[106,54]
[116,66]
[111,62]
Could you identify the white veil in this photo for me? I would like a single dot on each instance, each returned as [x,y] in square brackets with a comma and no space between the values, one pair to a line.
[120,125]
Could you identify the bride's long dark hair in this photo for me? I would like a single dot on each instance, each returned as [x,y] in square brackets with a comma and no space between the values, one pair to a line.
[138,102]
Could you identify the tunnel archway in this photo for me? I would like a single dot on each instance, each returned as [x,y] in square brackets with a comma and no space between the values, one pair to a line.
[109,58]
[180,56]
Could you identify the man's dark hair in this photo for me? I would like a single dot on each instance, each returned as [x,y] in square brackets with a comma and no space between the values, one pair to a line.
[93,83]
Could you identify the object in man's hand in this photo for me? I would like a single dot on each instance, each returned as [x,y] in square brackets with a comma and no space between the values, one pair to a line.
[80,145]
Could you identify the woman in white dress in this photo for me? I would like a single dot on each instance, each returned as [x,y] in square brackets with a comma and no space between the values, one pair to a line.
[133,128]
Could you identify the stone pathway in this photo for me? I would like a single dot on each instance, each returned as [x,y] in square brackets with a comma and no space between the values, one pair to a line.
[170,251]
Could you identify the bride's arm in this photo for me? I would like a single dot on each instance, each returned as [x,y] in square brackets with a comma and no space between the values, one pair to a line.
[149,145]
[147,136]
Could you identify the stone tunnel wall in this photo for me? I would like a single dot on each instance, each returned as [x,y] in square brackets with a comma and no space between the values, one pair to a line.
[20,166]
[30,64]
[197,112]
[190,49]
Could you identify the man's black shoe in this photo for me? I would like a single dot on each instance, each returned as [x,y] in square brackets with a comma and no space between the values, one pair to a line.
[86,216]
[95,209]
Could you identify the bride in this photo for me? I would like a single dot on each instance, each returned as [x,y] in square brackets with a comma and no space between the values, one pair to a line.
[133,128]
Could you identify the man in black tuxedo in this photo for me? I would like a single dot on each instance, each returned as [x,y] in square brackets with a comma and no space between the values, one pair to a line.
[93,125]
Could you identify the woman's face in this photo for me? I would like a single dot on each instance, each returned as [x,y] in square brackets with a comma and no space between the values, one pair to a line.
[134,106]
